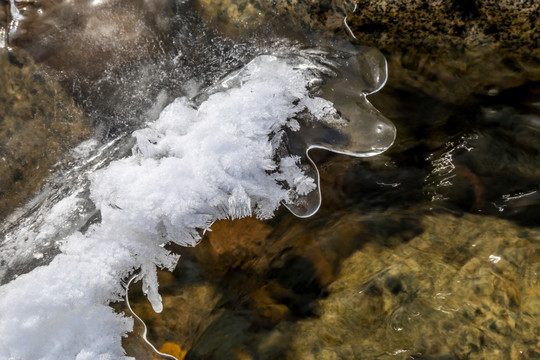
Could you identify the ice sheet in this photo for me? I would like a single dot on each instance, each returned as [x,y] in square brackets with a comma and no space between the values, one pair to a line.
[204,159]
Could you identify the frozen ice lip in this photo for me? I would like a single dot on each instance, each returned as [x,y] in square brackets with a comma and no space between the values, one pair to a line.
[341,120]
[333,115]
[349,124]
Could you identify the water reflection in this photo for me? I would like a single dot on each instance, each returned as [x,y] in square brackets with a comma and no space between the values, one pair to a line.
[492,166]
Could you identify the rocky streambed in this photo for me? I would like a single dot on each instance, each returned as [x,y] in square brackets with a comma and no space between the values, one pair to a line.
[419,283]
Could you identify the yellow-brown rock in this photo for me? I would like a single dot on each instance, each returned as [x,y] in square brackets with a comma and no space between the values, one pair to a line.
[395,285]
[233,244]
[455,291]
[174,350]
[38,124]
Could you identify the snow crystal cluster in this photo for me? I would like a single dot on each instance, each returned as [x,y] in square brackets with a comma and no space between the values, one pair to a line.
[199,162]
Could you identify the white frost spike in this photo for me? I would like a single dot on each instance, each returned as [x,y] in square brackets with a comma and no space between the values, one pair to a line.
[190,168]
[150,286]
[239,204]
[297,180]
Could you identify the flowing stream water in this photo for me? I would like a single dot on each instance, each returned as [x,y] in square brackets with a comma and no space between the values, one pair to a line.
[424,244]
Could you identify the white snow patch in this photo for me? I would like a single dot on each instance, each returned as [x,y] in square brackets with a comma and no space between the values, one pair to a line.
[191,167]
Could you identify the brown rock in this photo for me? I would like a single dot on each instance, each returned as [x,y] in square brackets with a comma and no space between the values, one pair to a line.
[239,238]
[38,124]
[188,309]
[267,308]
[232,244]
[347,286]
[424,299]
[174,350]
[448,49]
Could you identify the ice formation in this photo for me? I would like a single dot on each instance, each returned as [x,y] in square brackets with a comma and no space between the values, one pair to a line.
[226,154]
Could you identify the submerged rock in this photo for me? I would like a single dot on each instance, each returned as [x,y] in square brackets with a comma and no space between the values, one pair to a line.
[465,288]
[456,48]
[414,283]
[38,124]
[188,307]
[490,167]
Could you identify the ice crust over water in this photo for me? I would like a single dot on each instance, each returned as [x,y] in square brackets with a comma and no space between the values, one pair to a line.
[202,160]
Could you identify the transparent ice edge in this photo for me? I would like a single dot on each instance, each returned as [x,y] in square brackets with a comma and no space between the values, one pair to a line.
[239,151]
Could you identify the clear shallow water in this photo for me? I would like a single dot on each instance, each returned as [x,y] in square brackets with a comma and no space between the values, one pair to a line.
[414,283]
[410,256]
[394,236]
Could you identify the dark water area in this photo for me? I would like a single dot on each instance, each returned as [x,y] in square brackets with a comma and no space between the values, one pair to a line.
[430,250]
[479,157]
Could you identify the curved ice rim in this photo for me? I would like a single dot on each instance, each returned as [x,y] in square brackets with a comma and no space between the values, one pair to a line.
[374,151]
[145,330]
[344,152]
[349,32]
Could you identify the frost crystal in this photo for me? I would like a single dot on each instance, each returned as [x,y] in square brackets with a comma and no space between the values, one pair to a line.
[229,153]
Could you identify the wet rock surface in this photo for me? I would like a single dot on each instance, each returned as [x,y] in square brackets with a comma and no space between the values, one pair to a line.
[485,44]
[38,123]
[451,292]
[429,44]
